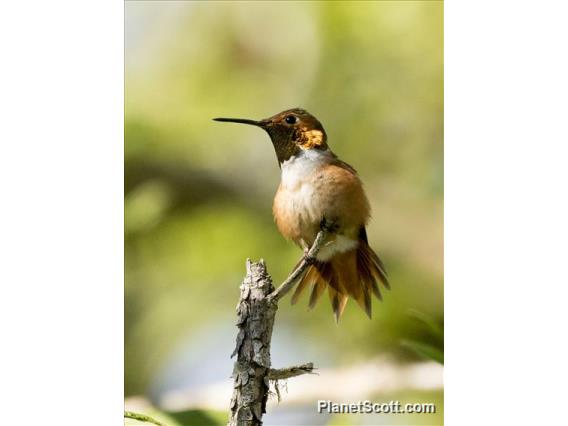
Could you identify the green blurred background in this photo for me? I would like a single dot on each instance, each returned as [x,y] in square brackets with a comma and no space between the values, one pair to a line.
[198,194]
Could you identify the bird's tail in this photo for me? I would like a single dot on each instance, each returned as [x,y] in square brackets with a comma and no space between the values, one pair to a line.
[354,273]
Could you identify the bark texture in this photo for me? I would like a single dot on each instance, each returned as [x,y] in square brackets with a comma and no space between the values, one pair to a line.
[252,373]
[255,315]
[256,310]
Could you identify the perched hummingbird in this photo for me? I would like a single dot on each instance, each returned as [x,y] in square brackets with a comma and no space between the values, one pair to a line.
[316,186]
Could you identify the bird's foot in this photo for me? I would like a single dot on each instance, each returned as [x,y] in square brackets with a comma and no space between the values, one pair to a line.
[310,260]
[330,226]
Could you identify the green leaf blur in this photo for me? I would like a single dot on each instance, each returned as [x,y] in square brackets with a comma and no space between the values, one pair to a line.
[198,193]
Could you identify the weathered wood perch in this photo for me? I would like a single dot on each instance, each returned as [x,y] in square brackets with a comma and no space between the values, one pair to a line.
[256,310]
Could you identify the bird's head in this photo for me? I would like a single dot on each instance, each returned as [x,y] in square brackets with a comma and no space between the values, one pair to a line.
[291,131]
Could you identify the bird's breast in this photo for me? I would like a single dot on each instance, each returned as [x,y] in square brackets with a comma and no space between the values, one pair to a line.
[298,203]
[312,188]
[297,207]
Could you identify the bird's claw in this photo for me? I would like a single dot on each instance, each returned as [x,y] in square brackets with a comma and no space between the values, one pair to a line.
[307,258]
[329,226]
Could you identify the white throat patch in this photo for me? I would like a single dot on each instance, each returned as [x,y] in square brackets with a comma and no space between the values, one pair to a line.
[299,167]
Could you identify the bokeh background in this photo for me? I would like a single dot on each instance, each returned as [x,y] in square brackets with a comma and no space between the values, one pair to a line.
[198,197]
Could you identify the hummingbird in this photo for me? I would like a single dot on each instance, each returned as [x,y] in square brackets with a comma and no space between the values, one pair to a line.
[317,187]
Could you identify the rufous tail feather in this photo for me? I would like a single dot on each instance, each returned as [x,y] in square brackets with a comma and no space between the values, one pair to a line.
[354,274]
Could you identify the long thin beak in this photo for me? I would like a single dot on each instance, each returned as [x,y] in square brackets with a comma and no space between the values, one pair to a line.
[261,123]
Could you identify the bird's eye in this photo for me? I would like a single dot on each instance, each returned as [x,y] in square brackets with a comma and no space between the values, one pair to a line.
[290,119]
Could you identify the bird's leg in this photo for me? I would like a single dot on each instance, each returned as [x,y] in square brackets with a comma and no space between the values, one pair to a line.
[310,260]
[307,260]
[330,226]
